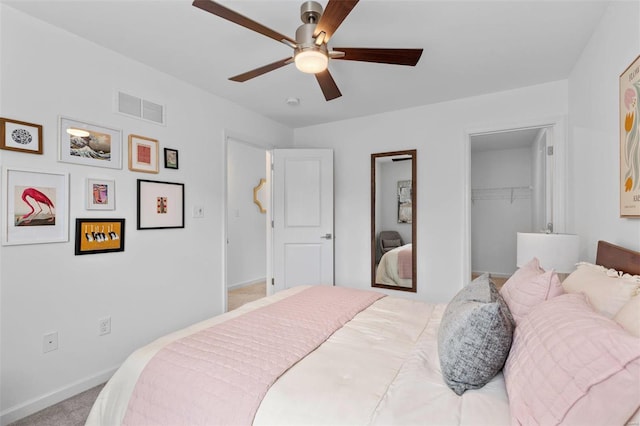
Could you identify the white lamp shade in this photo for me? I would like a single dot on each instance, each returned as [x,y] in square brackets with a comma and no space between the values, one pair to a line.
[559,252]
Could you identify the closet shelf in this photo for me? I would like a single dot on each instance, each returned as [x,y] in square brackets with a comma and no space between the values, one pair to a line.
[510,193]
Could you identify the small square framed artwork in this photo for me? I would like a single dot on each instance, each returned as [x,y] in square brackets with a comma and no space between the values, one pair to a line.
[101,194]
[20,136]
[143,154]
[170,158]
[99,236]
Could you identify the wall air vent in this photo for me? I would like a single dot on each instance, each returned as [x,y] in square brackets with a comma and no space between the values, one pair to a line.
[140,108]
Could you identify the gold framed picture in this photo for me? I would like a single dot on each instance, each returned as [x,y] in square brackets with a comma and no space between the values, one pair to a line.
[20,136]
[143,154]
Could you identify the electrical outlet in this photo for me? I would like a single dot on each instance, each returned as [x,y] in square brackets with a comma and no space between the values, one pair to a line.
[104,326]
[50,342]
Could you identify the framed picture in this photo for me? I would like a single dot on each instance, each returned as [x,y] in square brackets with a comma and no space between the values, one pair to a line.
[101,194]
[20,136]
[99,236]
[630,140]
[143,154]
[160,205]
[35,205]
[89,144]
[170,158]
[405,214]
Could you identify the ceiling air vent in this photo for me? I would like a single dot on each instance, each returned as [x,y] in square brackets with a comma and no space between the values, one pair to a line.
[140,108]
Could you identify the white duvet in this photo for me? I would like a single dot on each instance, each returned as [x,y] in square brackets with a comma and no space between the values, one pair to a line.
[381,368]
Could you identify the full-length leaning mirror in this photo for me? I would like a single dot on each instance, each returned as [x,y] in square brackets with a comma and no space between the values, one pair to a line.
[393,224]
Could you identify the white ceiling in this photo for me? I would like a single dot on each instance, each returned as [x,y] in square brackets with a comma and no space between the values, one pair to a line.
[470,48]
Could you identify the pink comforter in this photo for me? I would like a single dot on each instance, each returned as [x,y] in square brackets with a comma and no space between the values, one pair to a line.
[220,375]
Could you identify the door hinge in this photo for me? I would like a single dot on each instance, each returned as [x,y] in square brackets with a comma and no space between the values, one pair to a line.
[550,150]
[272,224]
[273,281]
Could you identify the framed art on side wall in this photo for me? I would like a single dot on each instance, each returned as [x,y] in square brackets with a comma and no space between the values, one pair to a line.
[35,205]
[160,205]
[89,144]
[143,154]
[20,136]
[630,140]
[99,236]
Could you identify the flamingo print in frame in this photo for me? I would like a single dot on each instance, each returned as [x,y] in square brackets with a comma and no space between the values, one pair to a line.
[36,201]
[35,204]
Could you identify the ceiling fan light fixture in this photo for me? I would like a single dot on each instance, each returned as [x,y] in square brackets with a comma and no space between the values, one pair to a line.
[311,61]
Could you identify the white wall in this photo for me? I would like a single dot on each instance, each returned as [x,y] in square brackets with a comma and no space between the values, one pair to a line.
[439,133]
[594,131]
[495,217]
[246,226]
[164,279]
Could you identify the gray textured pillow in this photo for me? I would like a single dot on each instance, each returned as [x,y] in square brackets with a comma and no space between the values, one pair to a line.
[475,336]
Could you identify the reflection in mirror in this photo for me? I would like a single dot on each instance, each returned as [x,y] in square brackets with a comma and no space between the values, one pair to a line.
[393,225]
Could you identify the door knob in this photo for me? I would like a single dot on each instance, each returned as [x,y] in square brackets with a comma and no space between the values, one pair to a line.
[326,236]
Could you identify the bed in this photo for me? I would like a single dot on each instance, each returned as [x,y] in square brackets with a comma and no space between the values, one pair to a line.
[380,366]
[395,267]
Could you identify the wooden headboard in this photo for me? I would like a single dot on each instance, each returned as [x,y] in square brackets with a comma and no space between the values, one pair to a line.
[619,258]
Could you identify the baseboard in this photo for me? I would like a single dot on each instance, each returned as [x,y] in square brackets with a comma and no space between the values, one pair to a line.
[246,283]
[34,405]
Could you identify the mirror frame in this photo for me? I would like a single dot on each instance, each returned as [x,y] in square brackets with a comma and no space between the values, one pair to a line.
[413,154]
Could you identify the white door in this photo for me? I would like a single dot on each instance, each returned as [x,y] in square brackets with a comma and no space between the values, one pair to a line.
[302,203]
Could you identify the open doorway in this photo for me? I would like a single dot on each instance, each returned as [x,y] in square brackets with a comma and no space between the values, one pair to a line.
[510,192]
[246,248]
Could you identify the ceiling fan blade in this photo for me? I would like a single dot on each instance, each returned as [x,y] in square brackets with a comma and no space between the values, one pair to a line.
[262,70]
[384,56]
[228,14]
[328,86]
[332,17]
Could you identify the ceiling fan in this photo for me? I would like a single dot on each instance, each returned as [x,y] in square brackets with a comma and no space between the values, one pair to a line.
[311,51]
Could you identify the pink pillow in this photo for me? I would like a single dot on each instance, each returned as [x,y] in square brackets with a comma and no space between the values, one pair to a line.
[569,364]
[529,286]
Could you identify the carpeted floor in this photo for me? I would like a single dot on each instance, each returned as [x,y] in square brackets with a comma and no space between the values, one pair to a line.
[239,296]
[71,412]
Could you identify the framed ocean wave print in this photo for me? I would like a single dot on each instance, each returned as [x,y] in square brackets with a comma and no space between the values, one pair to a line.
[89,144]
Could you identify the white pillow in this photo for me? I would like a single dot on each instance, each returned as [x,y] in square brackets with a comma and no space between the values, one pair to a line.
[629,316]
[607,289]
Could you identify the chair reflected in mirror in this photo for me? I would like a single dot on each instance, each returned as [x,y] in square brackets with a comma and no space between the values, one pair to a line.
[388,240]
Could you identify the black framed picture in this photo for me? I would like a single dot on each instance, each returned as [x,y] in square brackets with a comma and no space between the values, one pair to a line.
[170,158]
[160,204]
[99,236]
